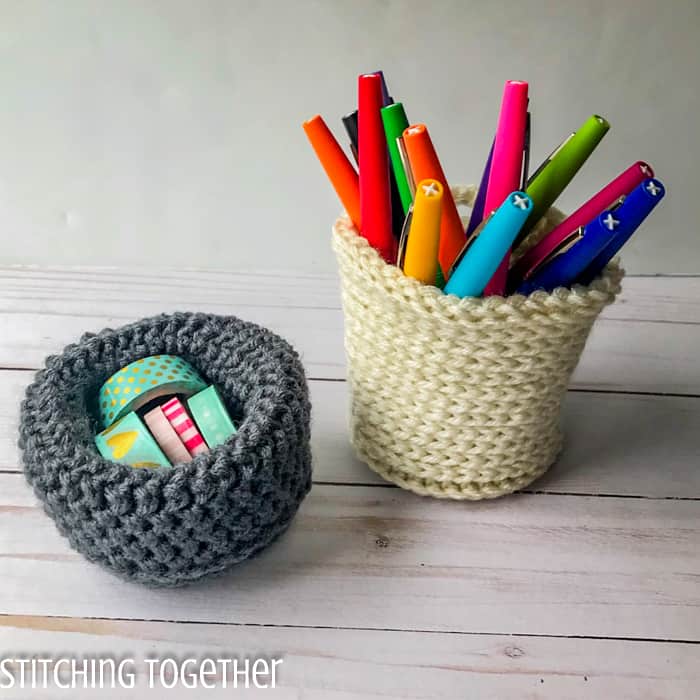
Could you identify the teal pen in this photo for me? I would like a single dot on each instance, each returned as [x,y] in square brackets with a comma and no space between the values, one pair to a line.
[480,259]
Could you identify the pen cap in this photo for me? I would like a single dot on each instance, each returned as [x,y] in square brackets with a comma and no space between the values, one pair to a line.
[564,268]
[624,183]
[339,169]
[375,190]
[425,165]
[421,259]
[623,221]
[558,170]
[507,162]
[395,121]
[485,254]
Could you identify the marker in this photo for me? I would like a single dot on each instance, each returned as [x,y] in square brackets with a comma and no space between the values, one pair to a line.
[477,215]
[395,122]
[559,168]
[621,185]
[507,164]
[422,245]
[350,124]
[338,168]
[375,193]
[472,273]
[398,216]
[623,222]
[425,165]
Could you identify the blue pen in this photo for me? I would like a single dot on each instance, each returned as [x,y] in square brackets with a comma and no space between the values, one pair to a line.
[478,209]
[626,218]
[474,269]
[565,265]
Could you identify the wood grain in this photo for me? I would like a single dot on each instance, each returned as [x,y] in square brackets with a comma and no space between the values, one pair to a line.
[386,559]
[644,342]
[616,444]
[329,664]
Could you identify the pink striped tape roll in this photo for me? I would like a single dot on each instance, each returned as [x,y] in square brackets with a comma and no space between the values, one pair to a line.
[175,412]
[166,437]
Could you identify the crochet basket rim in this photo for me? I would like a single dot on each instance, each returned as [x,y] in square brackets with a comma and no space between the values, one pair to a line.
[77,445]
[429,299]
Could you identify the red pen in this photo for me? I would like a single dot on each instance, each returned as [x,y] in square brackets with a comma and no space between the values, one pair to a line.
[375,193]
[506,165]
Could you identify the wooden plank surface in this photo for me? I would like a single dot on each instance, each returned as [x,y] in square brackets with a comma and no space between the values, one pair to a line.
[644,342]
[616,444]
[321,664]
[384,559]
[587,585]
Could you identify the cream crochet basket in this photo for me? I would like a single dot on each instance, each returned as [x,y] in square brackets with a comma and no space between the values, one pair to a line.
[458,398]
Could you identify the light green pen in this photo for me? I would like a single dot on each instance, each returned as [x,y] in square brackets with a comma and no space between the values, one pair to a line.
[557,171]
[395,121]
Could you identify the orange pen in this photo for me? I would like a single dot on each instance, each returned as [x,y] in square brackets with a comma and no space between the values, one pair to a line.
[426,166]
[338,167]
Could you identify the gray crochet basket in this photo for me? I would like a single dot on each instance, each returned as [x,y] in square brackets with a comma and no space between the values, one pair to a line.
[171,526]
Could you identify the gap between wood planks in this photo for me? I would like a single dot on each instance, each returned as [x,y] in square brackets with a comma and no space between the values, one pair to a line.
[379,630]
[576,390]
[548,489]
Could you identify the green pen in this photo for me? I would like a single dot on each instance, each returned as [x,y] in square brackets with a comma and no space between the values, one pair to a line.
[395,122]
[558,169]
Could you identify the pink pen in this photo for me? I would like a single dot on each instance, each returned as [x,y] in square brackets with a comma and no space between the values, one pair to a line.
[596,205]
[506,165]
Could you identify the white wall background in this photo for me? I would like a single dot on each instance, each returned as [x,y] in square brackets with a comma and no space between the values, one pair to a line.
[168,132]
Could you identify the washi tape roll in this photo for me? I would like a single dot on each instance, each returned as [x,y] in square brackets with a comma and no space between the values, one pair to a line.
[166,437]
[129,442]
[175,412]
[209,413]
[139,382]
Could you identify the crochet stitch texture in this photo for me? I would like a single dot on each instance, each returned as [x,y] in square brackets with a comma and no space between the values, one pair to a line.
[458,398]
[170,526]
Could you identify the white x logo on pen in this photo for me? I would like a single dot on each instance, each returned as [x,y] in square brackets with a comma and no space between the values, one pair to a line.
[653,189]
[610,221]
[646,170]
[520,201]
[430,190]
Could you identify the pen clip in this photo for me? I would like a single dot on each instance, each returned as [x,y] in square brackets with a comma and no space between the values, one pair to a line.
[617,203]
[526,152]
[406,164]
[564,246]
[547,160]
[401,254]
[470,240]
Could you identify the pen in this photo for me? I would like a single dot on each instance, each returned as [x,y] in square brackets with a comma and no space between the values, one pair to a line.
[425,165]
[507,163]
[338,168]
[395,122]
[623,221]
[472,273]
[477,215]
[621,185]
[375,193]
[397,210]
[558,169]
[421,258]
[350,124]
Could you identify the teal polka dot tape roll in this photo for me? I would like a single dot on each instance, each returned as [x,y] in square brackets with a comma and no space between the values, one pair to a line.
[139,382]
[211,416]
